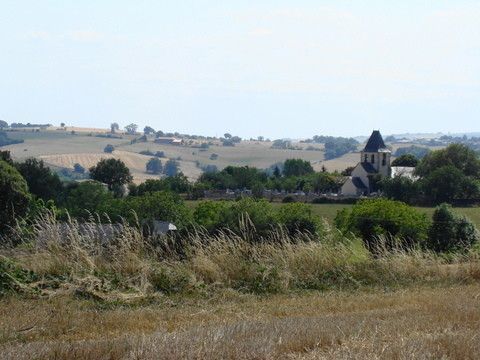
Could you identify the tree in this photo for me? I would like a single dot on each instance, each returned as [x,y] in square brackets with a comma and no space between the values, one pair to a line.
[448,183]
[131,129]
[78,168]
[41,181]
[85,198]
[14,196]
[409,160]
[456,155]
[451,232]
[62,124]
[373,218]
[276,172]
[114,127]
[148,130]
[5,156]
[171,167]
[401,188]
[154,166]
[297,167]
[112,172]
[227,135]
[109,149]
[3,124]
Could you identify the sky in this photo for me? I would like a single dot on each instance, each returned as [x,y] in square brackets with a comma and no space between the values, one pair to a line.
[281,69]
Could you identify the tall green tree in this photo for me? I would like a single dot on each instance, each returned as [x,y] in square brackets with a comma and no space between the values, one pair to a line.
[409,160]
[450,231]
[457,155]
[42,182]
[297,167]
[14,196]
[112,172]
[154,166]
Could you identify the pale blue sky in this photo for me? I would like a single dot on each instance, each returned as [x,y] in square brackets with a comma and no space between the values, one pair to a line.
[272,68]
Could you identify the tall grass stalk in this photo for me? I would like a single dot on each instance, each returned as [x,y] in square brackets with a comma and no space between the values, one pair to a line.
[100,260]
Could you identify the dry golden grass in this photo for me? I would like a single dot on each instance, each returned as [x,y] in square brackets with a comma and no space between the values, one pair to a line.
[227,298]
[429,323]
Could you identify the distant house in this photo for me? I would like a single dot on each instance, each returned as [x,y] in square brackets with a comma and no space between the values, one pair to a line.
[374,160]
[168,141]
[405,171]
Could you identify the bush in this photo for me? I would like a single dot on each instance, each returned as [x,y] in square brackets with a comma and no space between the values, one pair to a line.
[14,196]
[373,218]
[208,214]
[85,198]
[160,205]
[109,149]
[78,168]
[450,232]
[299,218]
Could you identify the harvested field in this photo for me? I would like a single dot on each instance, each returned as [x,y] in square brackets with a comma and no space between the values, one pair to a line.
[422,323]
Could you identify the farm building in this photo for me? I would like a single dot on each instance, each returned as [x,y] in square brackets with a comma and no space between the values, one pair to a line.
[168,141]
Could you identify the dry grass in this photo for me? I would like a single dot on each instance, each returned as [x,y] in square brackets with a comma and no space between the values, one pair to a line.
[414,323]
[227,298]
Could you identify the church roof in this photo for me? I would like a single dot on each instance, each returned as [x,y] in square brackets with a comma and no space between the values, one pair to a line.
[368,167]
[358,183]
[375,143]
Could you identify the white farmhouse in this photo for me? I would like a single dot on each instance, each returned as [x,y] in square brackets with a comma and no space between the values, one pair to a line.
[374,160]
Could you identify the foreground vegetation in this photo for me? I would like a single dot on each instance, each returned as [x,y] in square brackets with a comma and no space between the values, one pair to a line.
[434,323]
[68,294]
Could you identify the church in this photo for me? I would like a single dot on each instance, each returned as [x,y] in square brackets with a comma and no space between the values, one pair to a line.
[374,160]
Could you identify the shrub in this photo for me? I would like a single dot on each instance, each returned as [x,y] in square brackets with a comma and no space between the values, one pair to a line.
[373,218]
[208,214]
[14,196]
[85,198]
[78,168]
[450,232]
[160,205]
[299,218]
[109,149]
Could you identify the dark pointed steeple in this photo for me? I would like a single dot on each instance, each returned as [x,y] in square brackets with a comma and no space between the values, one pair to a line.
[375,143]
